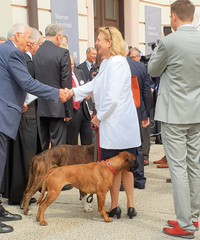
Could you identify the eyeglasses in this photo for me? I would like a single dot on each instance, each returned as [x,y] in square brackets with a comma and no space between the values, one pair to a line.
[107,28]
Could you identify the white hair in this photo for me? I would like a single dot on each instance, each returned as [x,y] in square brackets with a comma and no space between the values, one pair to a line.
[35,35]
[18,27]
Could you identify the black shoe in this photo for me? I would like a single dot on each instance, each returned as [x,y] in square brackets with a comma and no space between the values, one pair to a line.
[67,187]
[168,180]
[7,216]
[33,200]
[139,186]
[5,228]
[131,212]
[115,212]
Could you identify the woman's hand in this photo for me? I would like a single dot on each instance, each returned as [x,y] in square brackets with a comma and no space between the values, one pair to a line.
[95,121]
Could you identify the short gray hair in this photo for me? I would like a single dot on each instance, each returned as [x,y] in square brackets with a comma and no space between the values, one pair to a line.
[89,49]
[18,27]
[35,35]
[54,29]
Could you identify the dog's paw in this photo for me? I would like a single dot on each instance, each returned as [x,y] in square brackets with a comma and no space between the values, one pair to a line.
[87,206]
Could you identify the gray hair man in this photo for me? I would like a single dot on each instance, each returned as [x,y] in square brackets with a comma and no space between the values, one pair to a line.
[52,67]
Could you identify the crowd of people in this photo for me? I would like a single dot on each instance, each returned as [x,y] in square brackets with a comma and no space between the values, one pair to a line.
[52,101]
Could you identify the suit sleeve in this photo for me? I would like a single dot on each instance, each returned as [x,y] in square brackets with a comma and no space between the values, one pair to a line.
[66,81]
[19,72]
[158,61]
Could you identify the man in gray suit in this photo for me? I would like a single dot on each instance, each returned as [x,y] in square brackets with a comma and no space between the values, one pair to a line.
[178,109]
[15,82]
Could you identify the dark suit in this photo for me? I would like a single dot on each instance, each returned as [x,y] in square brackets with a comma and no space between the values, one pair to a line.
[83,66]
[15,81]
[138,69]
[80,123]
[52,67]
[87,77]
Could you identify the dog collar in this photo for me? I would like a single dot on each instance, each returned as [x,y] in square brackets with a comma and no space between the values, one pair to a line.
[109,165]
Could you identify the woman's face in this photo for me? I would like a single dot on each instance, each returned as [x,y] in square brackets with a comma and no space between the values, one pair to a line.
[103,46]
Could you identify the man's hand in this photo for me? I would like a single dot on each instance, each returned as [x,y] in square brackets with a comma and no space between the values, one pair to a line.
[24,107]
[95,121]
[145,123]
[63,95]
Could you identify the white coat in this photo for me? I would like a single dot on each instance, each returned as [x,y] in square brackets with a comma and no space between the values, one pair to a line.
[111,89]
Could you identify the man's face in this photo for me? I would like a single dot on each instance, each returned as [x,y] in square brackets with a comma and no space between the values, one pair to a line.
[23,39]
[91,56]
[35,46]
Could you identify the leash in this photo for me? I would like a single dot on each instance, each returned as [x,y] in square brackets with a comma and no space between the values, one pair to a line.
[97,147]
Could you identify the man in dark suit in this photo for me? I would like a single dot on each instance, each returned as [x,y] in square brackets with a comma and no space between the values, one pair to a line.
[81,121]
[52,67]
[91,54]
[139,70]
[26,144]
[15,81]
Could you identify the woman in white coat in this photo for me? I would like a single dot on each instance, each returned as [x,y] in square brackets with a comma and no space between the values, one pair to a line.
[116,113]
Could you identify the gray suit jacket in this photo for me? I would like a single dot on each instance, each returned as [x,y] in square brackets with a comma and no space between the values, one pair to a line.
[177,60]
[15,81]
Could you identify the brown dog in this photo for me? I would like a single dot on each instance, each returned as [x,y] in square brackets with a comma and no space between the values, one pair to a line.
[88,178]
[51,158]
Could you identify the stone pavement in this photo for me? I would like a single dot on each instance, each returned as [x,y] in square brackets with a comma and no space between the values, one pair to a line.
[67,220]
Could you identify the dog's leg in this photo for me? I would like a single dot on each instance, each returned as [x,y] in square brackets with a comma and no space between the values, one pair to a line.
[49,199]
[101,198]
[37,184]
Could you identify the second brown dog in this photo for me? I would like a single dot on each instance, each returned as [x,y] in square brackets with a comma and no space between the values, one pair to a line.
[88,178]
[55,157]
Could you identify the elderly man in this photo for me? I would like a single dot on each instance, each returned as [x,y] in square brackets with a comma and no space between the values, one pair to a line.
[178,109]
[15,81]
[52,67]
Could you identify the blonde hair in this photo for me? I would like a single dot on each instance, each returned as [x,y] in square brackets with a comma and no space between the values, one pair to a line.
[112,34]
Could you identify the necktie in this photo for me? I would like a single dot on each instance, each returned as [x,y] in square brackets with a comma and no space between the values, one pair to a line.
[76,105]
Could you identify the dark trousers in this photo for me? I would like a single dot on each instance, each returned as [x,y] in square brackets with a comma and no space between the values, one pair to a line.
[145,134]
[79,125]
[51,130]
[3,153]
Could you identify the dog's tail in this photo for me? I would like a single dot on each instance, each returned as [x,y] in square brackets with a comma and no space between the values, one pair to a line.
[44,185]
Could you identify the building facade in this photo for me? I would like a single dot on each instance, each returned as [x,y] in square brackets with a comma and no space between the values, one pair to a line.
[127,15]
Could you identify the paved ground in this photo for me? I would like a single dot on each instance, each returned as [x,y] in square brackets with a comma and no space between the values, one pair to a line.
[67,219]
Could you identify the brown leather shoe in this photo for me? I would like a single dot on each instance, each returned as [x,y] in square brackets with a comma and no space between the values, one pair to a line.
[168,180]
[164,165]
[161,161]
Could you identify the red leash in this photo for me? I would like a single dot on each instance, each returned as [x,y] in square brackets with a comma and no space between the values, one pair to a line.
[96,129]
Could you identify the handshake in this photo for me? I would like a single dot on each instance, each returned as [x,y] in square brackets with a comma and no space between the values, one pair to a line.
[65,94]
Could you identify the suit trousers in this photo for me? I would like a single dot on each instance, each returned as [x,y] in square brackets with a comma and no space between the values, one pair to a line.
[3,153]
[51,131]
[79,125]
[181,143]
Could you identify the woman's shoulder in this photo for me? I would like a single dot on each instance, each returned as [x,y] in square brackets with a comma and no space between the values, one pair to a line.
[117,58]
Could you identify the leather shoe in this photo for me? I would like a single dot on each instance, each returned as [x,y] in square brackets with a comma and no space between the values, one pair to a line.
[33,200]
[7,216]
[67,187]
[168,180]
[10,202]
[115,212]
[5,228]
[161,161]
[164,165]
[178,232]
[173,223]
